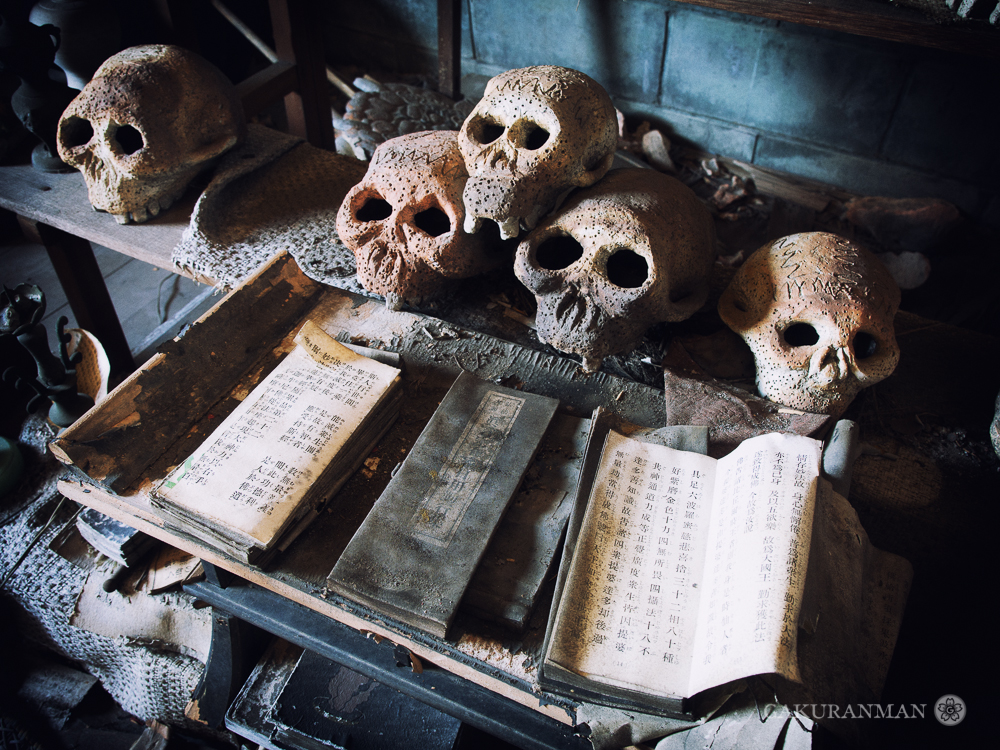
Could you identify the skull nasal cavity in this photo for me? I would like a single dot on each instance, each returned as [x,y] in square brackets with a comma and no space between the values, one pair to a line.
[627,269]
[433,221]
[129,139]
[801,334]
[76,132]
[374,209]
[559,252]
[865,345]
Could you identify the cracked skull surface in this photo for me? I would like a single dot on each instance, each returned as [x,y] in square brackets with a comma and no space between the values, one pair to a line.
[817,311]
[148,122]
[633,250]
[536,133]
[404,220]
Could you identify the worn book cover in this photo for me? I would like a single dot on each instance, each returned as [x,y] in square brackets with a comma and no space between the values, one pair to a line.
[416,551]
[512,574]
[687,571]
[112,538]
[288,446]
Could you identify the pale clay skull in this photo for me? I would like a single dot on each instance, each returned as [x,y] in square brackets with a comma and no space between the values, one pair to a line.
[404,220]
[536,133]
[148,122]
[817,311]
[635,249]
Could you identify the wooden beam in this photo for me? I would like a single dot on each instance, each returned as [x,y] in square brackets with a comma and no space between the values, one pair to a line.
[866,18]
[267,86]
[449,23]
[298,39]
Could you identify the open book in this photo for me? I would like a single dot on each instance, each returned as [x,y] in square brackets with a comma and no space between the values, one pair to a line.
[258,479]
[687,571]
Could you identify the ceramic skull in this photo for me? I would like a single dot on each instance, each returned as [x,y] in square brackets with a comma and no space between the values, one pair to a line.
[148,122]
[536,133]
[817,311]
[404,220]
[635,249]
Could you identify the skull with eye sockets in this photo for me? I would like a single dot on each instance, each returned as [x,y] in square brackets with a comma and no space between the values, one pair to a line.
[633,250]
[151,119]
[404,220]
[536,133]
[817,311]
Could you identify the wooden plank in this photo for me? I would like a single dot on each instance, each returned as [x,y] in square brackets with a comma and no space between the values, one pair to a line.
[812,194]
[161,402]
[430,365]
[60,201]
[867,18]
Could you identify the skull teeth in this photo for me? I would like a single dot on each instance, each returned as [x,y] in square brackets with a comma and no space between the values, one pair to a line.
[393,301]
[149,211]
[509,228]
[472,224]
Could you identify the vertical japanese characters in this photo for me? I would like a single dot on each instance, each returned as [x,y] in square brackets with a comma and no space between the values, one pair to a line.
[689,571]
[285,447]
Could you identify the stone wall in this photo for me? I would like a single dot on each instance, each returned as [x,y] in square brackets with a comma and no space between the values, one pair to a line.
[870,116]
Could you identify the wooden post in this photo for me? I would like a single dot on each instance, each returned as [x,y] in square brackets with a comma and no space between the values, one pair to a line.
[298,38]
[449,19]
[82,281]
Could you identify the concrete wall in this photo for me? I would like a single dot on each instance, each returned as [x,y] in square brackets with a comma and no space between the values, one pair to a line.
[874,117]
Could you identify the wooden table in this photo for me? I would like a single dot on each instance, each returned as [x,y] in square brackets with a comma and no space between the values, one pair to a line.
[127,444]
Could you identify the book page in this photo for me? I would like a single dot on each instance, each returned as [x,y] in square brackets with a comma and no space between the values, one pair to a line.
[250,475]
[630,602]
[758,547]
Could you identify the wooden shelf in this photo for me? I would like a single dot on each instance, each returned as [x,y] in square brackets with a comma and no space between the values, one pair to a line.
[870,18]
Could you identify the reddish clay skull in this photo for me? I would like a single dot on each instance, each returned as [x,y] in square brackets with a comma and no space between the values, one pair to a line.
[404,220]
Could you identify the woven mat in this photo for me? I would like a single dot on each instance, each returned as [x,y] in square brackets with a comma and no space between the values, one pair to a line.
[150,681]
[273,193]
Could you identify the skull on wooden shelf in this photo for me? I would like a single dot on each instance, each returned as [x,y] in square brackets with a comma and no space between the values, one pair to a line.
[817,311]
[151,119]
[404,220]
[536,133]
[635,249]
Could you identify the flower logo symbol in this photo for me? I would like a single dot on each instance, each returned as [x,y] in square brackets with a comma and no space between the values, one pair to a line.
[950,710]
